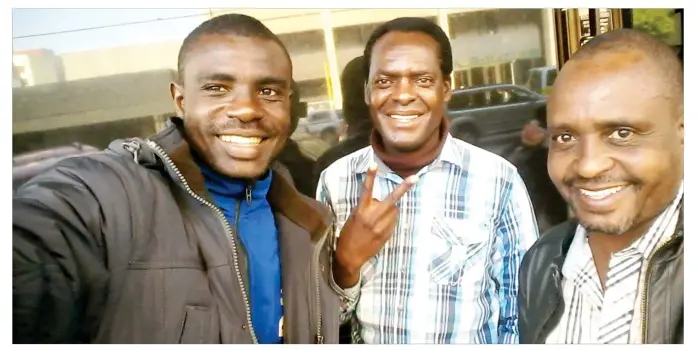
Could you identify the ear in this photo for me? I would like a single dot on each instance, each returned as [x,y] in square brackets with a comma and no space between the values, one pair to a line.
[680,126]
[367,94]
[177,93]
[447,88]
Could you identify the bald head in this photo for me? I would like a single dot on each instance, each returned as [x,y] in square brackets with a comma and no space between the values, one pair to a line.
[626,51]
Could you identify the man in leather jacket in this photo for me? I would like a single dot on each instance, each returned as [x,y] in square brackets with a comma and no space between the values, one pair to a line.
[615,275]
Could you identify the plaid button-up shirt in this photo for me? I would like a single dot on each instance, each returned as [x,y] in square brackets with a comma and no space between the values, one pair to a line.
[449,274]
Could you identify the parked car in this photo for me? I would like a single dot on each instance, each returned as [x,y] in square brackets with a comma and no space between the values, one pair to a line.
[27,165]
[483,112]
[325,123]
[541,79]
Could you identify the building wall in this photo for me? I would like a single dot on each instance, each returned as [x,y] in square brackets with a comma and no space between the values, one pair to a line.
[120,60]
[130,82]
[90,101]
[38,67]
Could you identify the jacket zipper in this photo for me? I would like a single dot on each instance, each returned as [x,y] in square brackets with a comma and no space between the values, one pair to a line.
[319,338]
[226,226]
[646,287]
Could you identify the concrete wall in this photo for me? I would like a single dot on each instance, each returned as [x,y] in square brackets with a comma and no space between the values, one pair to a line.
[120,60]
[91,101]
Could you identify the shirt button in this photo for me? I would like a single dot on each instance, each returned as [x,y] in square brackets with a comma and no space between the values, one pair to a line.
[400,308]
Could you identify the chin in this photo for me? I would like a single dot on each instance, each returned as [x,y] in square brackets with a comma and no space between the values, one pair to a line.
[245,169]
[606,224]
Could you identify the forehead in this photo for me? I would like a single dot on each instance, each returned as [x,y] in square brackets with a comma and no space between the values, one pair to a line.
[404,52]
[596,93]
[237,56]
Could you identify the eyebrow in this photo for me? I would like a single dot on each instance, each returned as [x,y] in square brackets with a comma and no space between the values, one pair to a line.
[398,73]
[216,77]
[268,80]
[605,124]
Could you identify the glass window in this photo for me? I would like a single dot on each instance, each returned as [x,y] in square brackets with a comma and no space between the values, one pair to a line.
[459,101]
[496,45]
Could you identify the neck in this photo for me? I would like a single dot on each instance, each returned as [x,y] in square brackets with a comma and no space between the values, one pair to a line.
[409,163]
[221,184]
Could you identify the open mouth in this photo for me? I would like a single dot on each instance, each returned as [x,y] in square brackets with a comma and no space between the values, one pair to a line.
[403,118]
[241,140]
[603,193]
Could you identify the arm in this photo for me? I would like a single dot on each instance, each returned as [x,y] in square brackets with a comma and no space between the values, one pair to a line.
[516,231]
[57,259]
[349,297]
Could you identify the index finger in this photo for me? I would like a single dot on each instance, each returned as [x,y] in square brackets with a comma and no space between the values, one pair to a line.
[397,193]
[367,190]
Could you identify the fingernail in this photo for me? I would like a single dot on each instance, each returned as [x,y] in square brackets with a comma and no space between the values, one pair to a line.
[413,179]
[373,166]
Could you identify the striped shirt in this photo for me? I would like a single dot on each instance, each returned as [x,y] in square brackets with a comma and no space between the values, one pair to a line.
[592,316]
[449,273]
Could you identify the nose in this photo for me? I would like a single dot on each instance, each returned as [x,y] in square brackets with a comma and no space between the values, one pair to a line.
[244,106]
[593,159]
[404,92]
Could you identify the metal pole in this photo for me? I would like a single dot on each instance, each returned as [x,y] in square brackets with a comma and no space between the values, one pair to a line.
[336,87]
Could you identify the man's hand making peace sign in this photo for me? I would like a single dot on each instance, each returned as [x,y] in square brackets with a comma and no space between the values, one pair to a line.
[368,228]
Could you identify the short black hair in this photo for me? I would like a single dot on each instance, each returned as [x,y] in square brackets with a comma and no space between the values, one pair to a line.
[413,24]
[660,55]
[232,23]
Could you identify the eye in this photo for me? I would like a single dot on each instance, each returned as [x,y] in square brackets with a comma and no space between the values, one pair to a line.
[382,82]
[621,134]
[423,81]
[215,88]
[268,92]
[563,138]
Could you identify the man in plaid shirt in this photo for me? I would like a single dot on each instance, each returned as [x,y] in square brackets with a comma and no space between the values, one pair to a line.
[430,230]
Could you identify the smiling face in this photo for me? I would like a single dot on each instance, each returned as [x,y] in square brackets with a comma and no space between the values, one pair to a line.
[406,90]
[235,102]
[616,150]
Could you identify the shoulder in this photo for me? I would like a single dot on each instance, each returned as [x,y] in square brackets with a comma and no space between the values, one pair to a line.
[343,166]
[476,159]
[554,242]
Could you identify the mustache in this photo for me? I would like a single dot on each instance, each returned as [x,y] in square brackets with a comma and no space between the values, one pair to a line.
[236,124]
[578,181]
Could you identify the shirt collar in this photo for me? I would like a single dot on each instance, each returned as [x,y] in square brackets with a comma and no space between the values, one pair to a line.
[661,230]
[450,153]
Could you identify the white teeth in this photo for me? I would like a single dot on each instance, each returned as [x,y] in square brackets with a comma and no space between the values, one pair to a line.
[598,195]
[404,118]
[240,139]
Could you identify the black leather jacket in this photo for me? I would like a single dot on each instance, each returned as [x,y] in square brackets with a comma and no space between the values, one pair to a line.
[540,292]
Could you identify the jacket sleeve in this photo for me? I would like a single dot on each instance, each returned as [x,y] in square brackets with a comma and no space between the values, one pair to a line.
[349,297]
[516,231]
[58,257]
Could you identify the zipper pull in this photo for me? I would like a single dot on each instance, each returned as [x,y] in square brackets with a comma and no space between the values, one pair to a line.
[133,147]
[248,194]
[319,339]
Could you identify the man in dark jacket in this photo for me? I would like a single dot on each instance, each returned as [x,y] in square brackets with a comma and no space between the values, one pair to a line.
[615,275]
[191,236]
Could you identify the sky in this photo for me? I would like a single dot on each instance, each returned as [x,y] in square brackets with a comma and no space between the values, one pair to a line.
[174,25]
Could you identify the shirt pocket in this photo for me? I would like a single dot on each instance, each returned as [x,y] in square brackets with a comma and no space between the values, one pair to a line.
[458,250]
